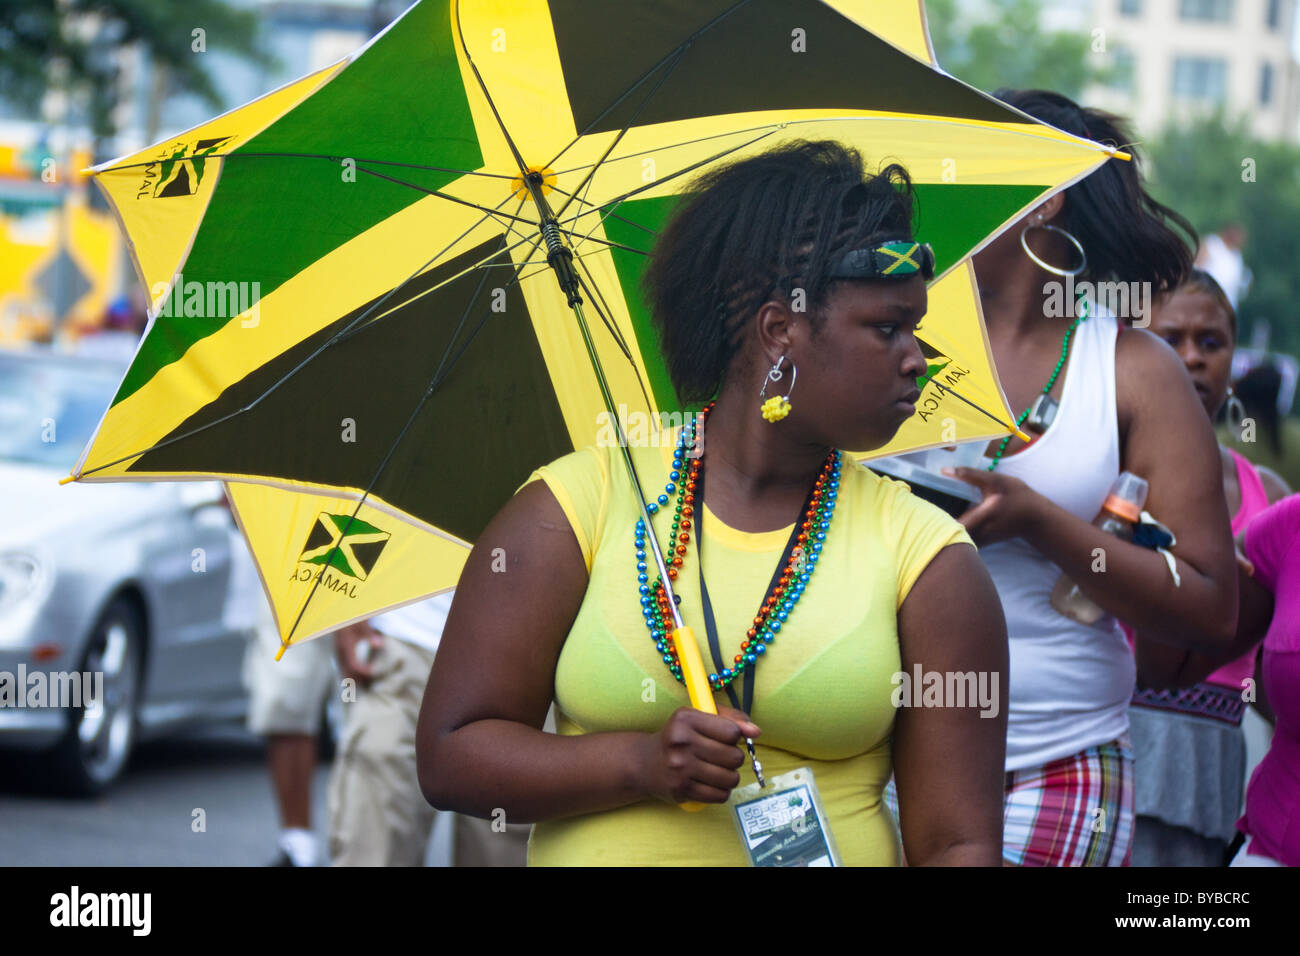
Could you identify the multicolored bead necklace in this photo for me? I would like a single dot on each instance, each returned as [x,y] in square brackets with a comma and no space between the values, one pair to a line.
[1060,363]
[787,588]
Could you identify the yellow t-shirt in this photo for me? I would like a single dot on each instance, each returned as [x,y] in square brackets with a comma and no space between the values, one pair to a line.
[823,688]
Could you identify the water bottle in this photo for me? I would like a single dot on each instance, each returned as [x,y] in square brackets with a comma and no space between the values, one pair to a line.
[1120,512]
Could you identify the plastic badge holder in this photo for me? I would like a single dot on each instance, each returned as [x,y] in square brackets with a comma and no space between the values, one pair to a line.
[784,823]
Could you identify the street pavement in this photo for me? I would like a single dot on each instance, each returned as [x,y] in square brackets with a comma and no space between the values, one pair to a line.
[148,819]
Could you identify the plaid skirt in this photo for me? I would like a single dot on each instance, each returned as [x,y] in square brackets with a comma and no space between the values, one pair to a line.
[1076,811]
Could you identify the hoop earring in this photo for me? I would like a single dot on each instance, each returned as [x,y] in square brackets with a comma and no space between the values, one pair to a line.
[1236,410]
[777,407]
[1083,256]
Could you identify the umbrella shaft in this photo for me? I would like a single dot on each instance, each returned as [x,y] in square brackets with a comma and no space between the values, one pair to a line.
[608,398]
[560,258]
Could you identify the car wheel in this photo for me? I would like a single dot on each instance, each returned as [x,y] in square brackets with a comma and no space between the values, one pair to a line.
[99,739]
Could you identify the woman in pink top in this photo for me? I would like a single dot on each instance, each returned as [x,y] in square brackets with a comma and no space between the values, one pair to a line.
[1272,820]
[1189,750]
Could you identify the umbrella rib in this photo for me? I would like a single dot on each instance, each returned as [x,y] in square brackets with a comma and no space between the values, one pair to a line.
[606,316]
[603,310]
[460,33]
[594,293]
[675,58]
[677,51]
[340,336]
[955,394]
[619,200]
[591,236]
[593,208]
[333,159]
[611,243]
[442,195]
[510,226]
[545,266]
[438,376]
[484,264]
[700,139]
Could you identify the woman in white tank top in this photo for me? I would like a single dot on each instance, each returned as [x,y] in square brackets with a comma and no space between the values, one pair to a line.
[1125,403]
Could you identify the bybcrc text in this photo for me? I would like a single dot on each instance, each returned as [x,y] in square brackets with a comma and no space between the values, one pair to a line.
[1164,899]
[103,909]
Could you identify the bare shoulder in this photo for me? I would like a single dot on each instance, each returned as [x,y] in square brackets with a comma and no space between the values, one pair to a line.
[954,577]
[1275,486]
[1140,352]
[516,601]
[532,525]
[1151,381]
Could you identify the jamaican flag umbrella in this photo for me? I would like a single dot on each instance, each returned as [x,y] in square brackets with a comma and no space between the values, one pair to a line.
[361,283]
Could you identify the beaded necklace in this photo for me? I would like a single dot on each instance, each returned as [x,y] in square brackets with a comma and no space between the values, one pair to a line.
[786,588]
[1060,363]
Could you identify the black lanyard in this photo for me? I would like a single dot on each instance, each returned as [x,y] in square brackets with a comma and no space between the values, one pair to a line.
[706,606]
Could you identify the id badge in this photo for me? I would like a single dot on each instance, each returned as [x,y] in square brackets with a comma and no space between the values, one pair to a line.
[784,824]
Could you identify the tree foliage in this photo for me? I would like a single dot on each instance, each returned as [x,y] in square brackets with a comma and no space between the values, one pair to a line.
[1009,48]
[1215,172]
[74,44]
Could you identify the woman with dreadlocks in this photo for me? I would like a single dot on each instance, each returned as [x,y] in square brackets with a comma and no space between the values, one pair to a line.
[775,310]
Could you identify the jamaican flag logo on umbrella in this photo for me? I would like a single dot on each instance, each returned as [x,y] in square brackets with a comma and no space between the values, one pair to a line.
[936,362]
[181,174]
[400,213]
[344,543]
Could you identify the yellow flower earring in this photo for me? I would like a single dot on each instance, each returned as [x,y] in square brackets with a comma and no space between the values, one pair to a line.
[777,407]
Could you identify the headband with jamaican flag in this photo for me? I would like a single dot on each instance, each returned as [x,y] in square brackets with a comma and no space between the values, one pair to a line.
[894,259]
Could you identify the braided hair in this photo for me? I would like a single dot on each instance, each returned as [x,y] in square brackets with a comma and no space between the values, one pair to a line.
[759,229]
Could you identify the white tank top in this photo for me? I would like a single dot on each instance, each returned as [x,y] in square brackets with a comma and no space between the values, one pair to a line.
[1070,683]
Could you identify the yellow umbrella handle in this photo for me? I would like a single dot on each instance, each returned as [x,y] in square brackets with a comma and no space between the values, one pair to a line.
[697,683]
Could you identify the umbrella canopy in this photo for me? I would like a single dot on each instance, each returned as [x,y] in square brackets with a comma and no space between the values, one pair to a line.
[353,318]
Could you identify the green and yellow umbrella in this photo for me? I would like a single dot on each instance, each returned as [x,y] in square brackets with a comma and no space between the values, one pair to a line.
[354,322]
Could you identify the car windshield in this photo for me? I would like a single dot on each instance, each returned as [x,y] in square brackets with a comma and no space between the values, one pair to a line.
[49,406]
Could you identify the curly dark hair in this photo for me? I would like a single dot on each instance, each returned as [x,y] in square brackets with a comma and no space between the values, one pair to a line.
[758,228]
[1129,236]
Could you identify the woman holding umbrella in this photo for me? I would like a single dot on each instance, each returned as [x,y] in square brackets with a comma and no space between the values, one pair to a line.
[1103,403]
[774,296]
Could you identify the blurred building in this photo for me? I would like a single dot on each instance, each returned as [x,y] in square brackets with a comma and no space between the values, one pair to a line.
[301,36]
[1171,59]
[62,258]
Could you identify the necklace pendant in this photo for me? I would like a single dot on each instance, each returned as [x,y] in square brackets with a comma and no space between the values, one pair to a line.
[1041,414]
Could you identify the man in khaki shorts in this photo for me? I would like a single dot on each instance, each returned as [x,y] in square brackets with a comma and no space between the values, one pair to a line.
[378,817]
[286,703]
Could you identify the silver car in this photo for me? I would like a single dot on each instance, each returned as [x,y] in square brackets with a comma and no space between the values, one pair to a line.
[123,583]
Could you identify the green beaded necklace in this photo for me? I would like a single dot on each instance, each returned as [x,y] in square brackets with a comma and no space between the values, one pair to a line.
[1060,363]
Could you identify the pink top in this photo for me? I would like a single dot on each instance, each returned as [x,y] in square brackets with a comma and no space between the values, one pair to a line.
[1272,817]
[1254,499]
